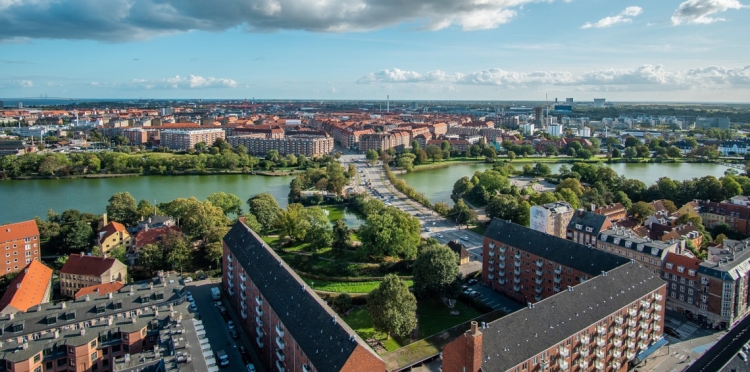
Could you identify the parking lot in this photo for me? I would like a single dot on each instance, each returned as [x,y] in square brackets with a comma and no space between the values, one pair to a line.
[494,299]
[216,328]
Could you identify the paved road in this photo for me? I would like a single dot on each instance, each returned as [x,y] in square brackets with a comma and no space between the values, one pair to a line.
[440,228]
[216,327]
[724,350]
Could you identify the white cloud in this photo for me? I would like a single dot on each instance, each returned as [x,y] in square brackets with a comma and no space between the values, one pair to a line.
[646,77]
[702,11]
[623,17]
[179,82]
[119,20]
[23,83]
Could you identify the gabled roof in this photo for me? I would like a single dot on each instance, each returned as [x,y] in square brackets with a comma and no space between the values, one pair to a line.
[522,335]
[111,228]
[679,260]
[587,219]
[88,265]
[326,340]
[27,289]
[153,236]
[565,252]
[100,289]
[458,248]
[18,230]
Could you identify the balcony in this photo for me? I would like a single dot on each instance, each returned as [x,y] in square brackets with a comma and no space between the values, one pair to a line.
[564,365]
[619,320]
[631,333]
[599,365]
[643,346]
[617,342]
[631,345]
[584,352]
[657,307]
[258,300]
[601,342]
[537,298]
[558,279]
[538,280]
[564,352]
[259,321]
[231,277]
[501,265]
[657,328]
[243,287]
[243,314]
[539,272]
[243,296]
[585,339]
[491,276]
[602,330]
[280,355]
[517,271]
[243,304]
[243,278]
[618,332]
[558,270]
[645,336]
[539,264]
[280,343]
[231,292]
[600,354]
[501,272]
[229,258]
[556,288]
[501,281]
[633,312]
[538,289]
[632,323]
[544,363]
[491,269]
[305,368]
[518,256]
[517,280]
[492,262]
[630,355]
[657,317]
[259,342]
[502,249]
[501,258]
[280,366]
[645,304]
[230,267]
[517,263]
[517,288]
[583,364]
[258,311]
[279,331]
[643,324]
[645,315]
[658,297]
[617,354]
[259,331]
[492,245]
[616,365]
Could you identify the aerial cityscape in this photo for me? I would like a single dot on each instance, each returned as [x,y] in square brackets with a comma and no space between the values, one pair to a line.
[289,185]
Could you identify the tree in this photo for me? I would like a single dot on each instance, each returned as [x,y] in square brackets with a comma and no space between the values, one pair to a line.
[340,236]
[406,161]
[630,152]
[462,186]
[60,262]
[622,198]
[151,258]
[372,156]
[493,181]
[489,153]
[392,307]
[120,253]
[319,233]
[146,209]
[292,222]
[504,207]
[572,184]
[77,236]
[542,170]
[511,155]
[200,218]
[265,209]
[641,210]
[122,208]
[434,152]
[390,233]
[730,187]
[214,252]
[436,272]
[177,250]
[631,141]
[342,303]
[229,203]
[462,214]
[616,153]
[475,151]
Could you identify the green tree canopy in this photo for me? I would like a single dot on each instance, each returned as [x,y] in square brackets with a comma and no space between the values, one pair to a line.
[641,210]
[265,209]
[122,208]
[229,203]
[392,307]
[436,273]
[390,233]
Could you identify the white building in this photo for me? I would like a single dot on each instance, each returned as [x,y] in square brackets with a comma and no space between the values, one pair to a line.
[555,130]
[584,132]
[527,128]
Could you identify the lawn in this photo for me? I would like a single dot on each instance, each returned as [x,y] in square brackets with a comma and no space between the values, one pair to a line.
[361,322]
[348,287]
[272,241]
[433,316]
[479,229]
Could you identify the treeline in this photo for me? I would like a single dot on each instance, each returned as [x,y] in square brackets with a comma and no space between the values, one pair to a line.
[331,178]
[220,157]
[736,114]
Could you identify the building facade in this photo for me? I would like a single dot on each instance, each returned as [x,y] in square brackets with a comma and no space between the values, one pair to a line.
[717,213]
[551,218]
[92,333]
[81,271]
[19,244]
[600,325]
[295,145]
[185,139]
[648,252]
[585,226]
[529,266]
[114,234]
[291,328]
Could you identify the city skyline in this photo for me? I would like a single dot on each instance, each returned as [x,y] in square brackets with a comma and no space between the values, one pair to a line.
[426,50]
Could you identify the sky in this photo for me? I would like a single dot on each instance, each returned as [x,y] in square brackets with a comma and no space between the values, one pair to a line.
[636,50]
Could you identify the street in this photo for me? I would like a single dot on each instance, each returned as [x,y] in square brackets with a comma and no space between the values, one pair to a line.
[440,228]
[216,328]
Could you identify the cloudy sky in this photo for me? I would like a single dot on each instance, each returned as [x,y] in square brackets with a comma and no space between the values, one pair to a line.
[638,50]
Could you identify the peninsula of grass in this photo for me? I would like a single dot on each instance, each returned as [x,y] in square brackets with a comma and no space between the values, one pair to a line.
[345,287]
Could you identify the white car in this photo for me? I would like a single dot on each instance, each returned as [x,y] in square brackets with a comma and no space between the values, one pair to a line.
[439,235]
[230,324]
[187,280]
[464,238]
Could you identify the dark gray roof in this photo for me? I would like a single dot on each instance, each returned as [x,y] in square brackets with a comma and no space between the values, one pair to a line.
[324,338]
[562,251]
[587,219]
[556,318]
[621,237]
[731,264]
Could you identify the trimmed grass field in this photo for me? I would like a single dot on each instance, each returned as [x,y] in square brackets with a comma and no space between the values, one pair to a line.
[361,322]
[348,287]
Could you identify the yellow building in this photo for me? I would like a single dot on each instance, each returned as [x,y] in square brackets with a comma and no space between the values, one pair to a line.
[113,235]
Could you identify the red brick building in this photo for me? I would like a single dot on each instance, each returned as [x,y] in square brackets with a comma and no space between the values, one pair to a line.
[291,328]
[19,245]
[529,266]
[599,325]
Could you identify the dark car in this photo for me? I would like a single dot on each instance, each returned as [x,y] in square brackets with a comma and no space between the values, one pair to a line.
[222,310]
[671,331]
[472,281]
[234,333]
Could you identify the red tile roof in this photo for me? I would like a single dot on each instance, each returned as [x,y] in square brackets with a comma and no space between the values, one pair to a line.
[18,230]
[110,229]
[151,236]
[100,289]
[87,265]
[680,260]
[27,289]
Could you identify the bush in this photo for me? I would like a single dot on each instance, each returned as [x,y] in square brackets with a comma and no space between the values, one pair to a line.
[342,303]
[403,266]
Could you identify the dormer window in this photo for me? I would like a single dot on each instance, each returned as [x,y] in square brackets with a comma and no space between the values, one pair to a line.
[628,244]
[639,247]
[691,272]
[669,265]
[579,226]
[680,269]
[100,308]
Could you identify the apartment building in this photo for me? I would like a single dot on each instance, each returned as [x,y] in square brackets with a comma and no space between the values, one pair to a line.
[291,327]
[615,212]
[384,141]
[19,244]
[714,291]
[626,243]
[308,145]
[716,213]
[81,271]
[459,145]
[584,227]
[112,235]
[31,287]
[529,266]
[551,218]
[185,139]
[602,324]
[93,333]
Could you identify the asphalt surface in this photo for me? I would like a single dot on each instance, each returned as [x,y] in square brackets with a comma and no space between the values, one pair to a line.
[441,228]
[217,330]
[724,350]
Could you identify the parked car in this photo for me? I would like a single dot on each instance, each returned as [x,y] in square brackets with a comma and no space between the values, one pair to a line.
[475,294]
[230,324]
[222,309]
[464,237]
[672,332]
[222,357]
[250,367]
[193,307]
[187,280]
[233,333]
[472,281]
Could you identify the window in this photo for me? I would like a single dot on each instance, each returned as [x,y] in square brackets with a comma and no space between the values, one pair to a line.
[691,272]
[93,343]
[17,327]
[100,309]
[680,269]
[93,356]
[37,358]
[38,369]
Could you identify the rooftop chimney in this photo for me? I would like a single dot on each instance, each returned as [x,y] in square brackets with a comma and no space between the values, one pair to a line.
[474,327]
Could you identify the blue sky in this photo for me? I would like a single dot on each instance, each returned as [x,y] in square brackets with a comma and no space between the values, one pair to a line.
[665,50]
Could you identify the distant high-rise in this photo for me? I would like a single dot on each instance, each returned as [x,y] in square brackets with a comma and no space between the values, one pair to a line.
[20,105]
[569,101]
[1,105]
[599,102]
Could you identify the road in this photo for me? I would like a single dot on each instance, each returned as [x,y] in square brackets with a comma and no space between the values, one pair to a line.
[440,228]
[724,350]
[216,327]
